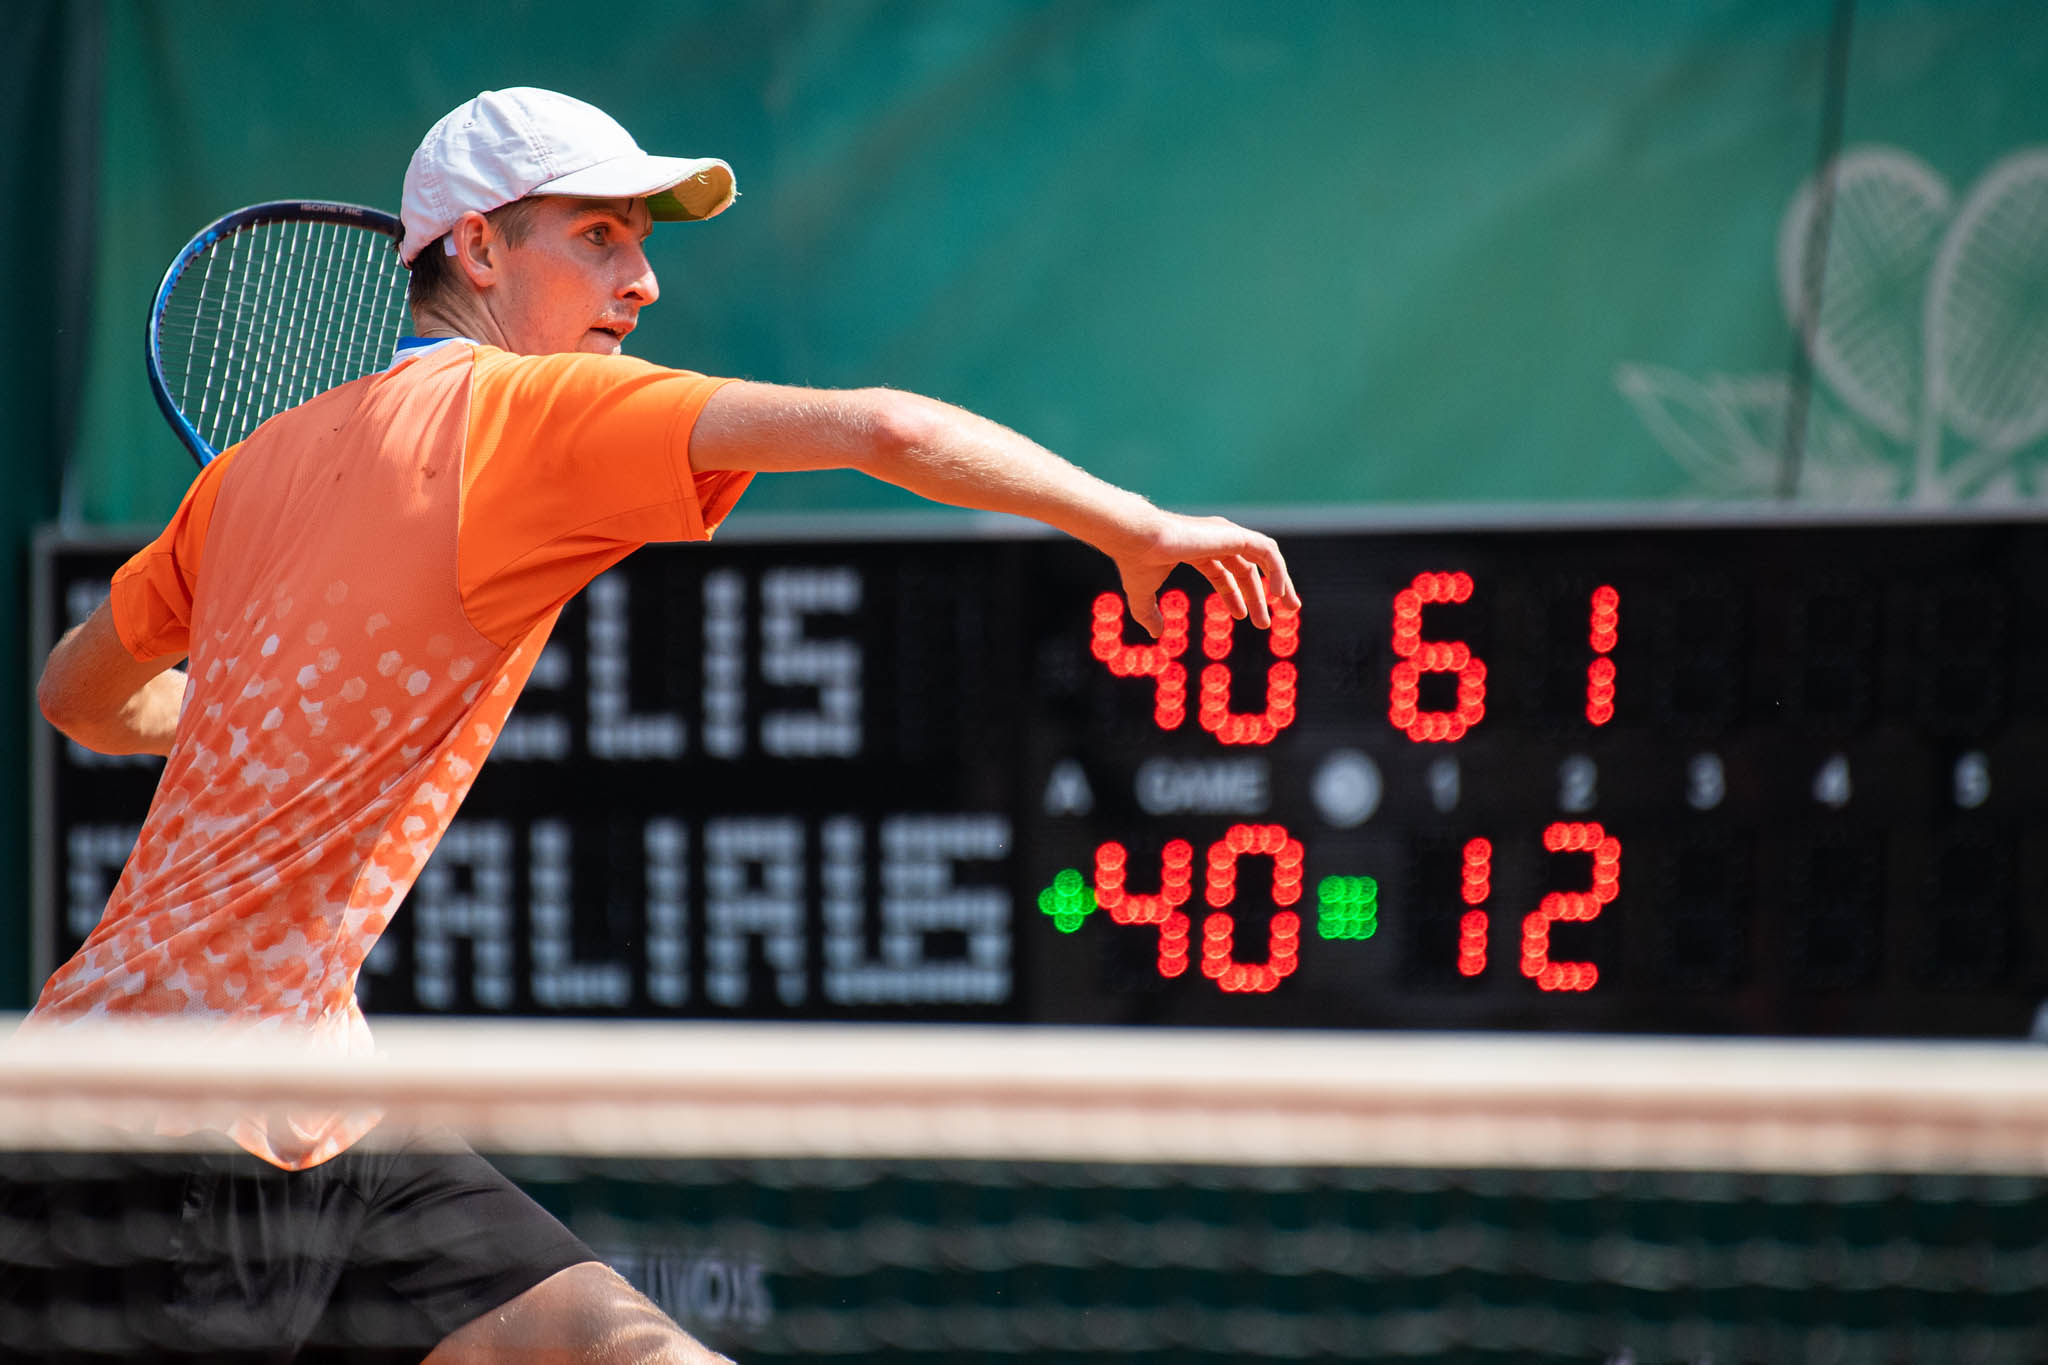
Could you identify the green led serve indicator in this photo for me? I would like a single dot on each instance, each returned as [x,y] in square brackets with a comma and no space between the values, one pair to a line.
[1068,900]
[1350,907]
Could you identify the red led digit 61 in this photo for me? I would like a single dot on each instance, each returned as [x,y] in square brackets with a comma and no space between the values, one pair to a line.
[1419,656]
[1603,634]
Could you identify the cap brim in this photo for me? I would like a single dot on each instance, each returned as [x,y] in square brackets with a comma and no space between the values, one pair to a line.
[677,189]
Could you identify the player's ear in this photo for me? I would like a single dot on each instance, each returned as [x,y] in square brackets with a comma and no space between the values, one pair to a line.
[473,242]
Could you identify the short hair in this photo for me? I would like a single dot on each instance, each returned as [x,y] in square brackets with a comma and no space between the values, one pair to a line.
[434,276]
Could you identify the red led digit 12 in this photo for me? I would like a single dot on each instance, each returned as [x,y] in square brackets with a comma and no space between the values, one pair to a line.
[1419,656]
[1571,906]
[1477,880]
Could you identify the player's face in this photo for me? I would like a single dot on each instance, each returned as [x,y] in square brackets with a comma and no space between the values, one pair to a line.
[578,279]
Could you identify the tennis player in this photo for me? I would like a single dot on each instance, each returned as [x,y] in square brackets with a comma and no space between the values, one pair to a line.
[360,590]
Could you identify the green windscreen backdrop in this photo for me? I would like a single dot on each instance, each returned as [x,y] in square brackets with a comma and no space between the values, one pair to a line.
[1228,254]
[1225,253]
[48,117]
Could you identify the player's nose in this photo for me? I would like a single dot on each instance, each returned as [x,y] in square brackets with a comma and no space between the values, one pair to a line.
[641,284]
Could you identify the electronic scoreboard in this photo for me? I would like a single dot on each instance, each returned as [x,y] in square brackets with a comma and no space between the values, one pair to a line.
[1663,774]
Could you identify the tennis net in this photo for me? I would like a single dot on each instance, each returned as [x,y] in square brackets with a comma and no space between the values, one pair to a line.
[921,1194]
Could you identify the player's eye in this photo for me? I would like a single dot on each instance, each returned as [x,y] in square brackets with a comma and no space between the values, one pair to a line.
[598,234]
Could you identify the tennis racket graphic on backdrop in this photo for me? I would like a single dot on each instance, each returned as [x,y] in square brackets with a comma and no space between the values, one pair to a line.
[267,307]
[1987,321]
[1932,317]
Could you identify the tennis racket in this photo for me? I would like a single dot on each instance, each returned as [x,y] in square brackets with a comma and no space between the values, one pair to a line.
[267,307]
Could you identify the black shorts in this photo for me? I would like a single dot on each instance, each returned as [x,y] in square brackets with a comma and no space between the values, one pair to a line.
[376,1255]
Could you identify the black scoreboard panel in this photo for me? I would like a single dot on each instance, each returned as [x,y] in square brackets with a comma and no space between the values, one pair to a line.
[1741,778]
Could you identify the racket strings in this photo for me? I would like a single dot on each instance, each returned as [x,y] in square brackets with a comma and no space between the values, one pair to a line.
[272,315]
[308,298]
[263,363]
[359,293]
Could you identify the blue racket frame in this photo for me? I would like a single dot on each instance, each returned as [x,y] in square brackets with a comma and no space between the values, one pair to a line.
[275,211]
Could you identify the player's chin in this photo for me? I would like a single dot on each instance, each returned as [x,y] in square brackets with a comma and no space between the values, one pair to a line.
[599,342]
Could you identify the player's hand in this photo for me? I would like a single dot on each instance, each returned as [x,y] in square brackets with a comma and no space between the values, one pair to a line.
[1245,568]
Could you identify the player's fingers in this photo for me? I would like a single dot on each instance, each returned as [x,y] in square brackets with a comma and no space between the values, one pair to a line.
[1145,611]
[1248,575]
[1217,571]
[1141,593]
[1279,584]
[1262,551]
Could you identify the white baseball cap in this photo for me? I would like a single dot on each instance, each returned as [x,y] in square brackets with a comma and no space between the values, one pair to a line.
[507,144]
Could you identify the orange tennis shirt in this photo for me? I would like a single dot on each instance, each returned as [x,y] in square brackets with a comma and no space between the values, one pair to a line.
[362,587]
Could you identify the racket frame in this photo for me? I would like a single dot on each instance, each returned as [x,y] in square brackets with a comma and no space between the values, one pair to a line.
[274,211]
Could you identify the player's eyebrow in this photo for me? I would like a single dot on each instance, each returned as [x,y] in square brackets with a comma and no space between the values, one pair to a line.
[619,210]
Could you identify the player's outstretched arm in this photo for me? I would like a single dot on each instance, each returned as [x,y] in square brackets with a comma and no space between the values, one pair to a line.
[99,694]
[950,455]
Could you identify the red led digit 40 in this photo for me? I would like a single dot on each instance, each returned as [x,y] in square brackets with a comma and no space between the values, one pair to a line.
[1219,928]
[1571,906]
[1176,884]
[1218,626]
[1283,937]
[1160,661]
[1419,656]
